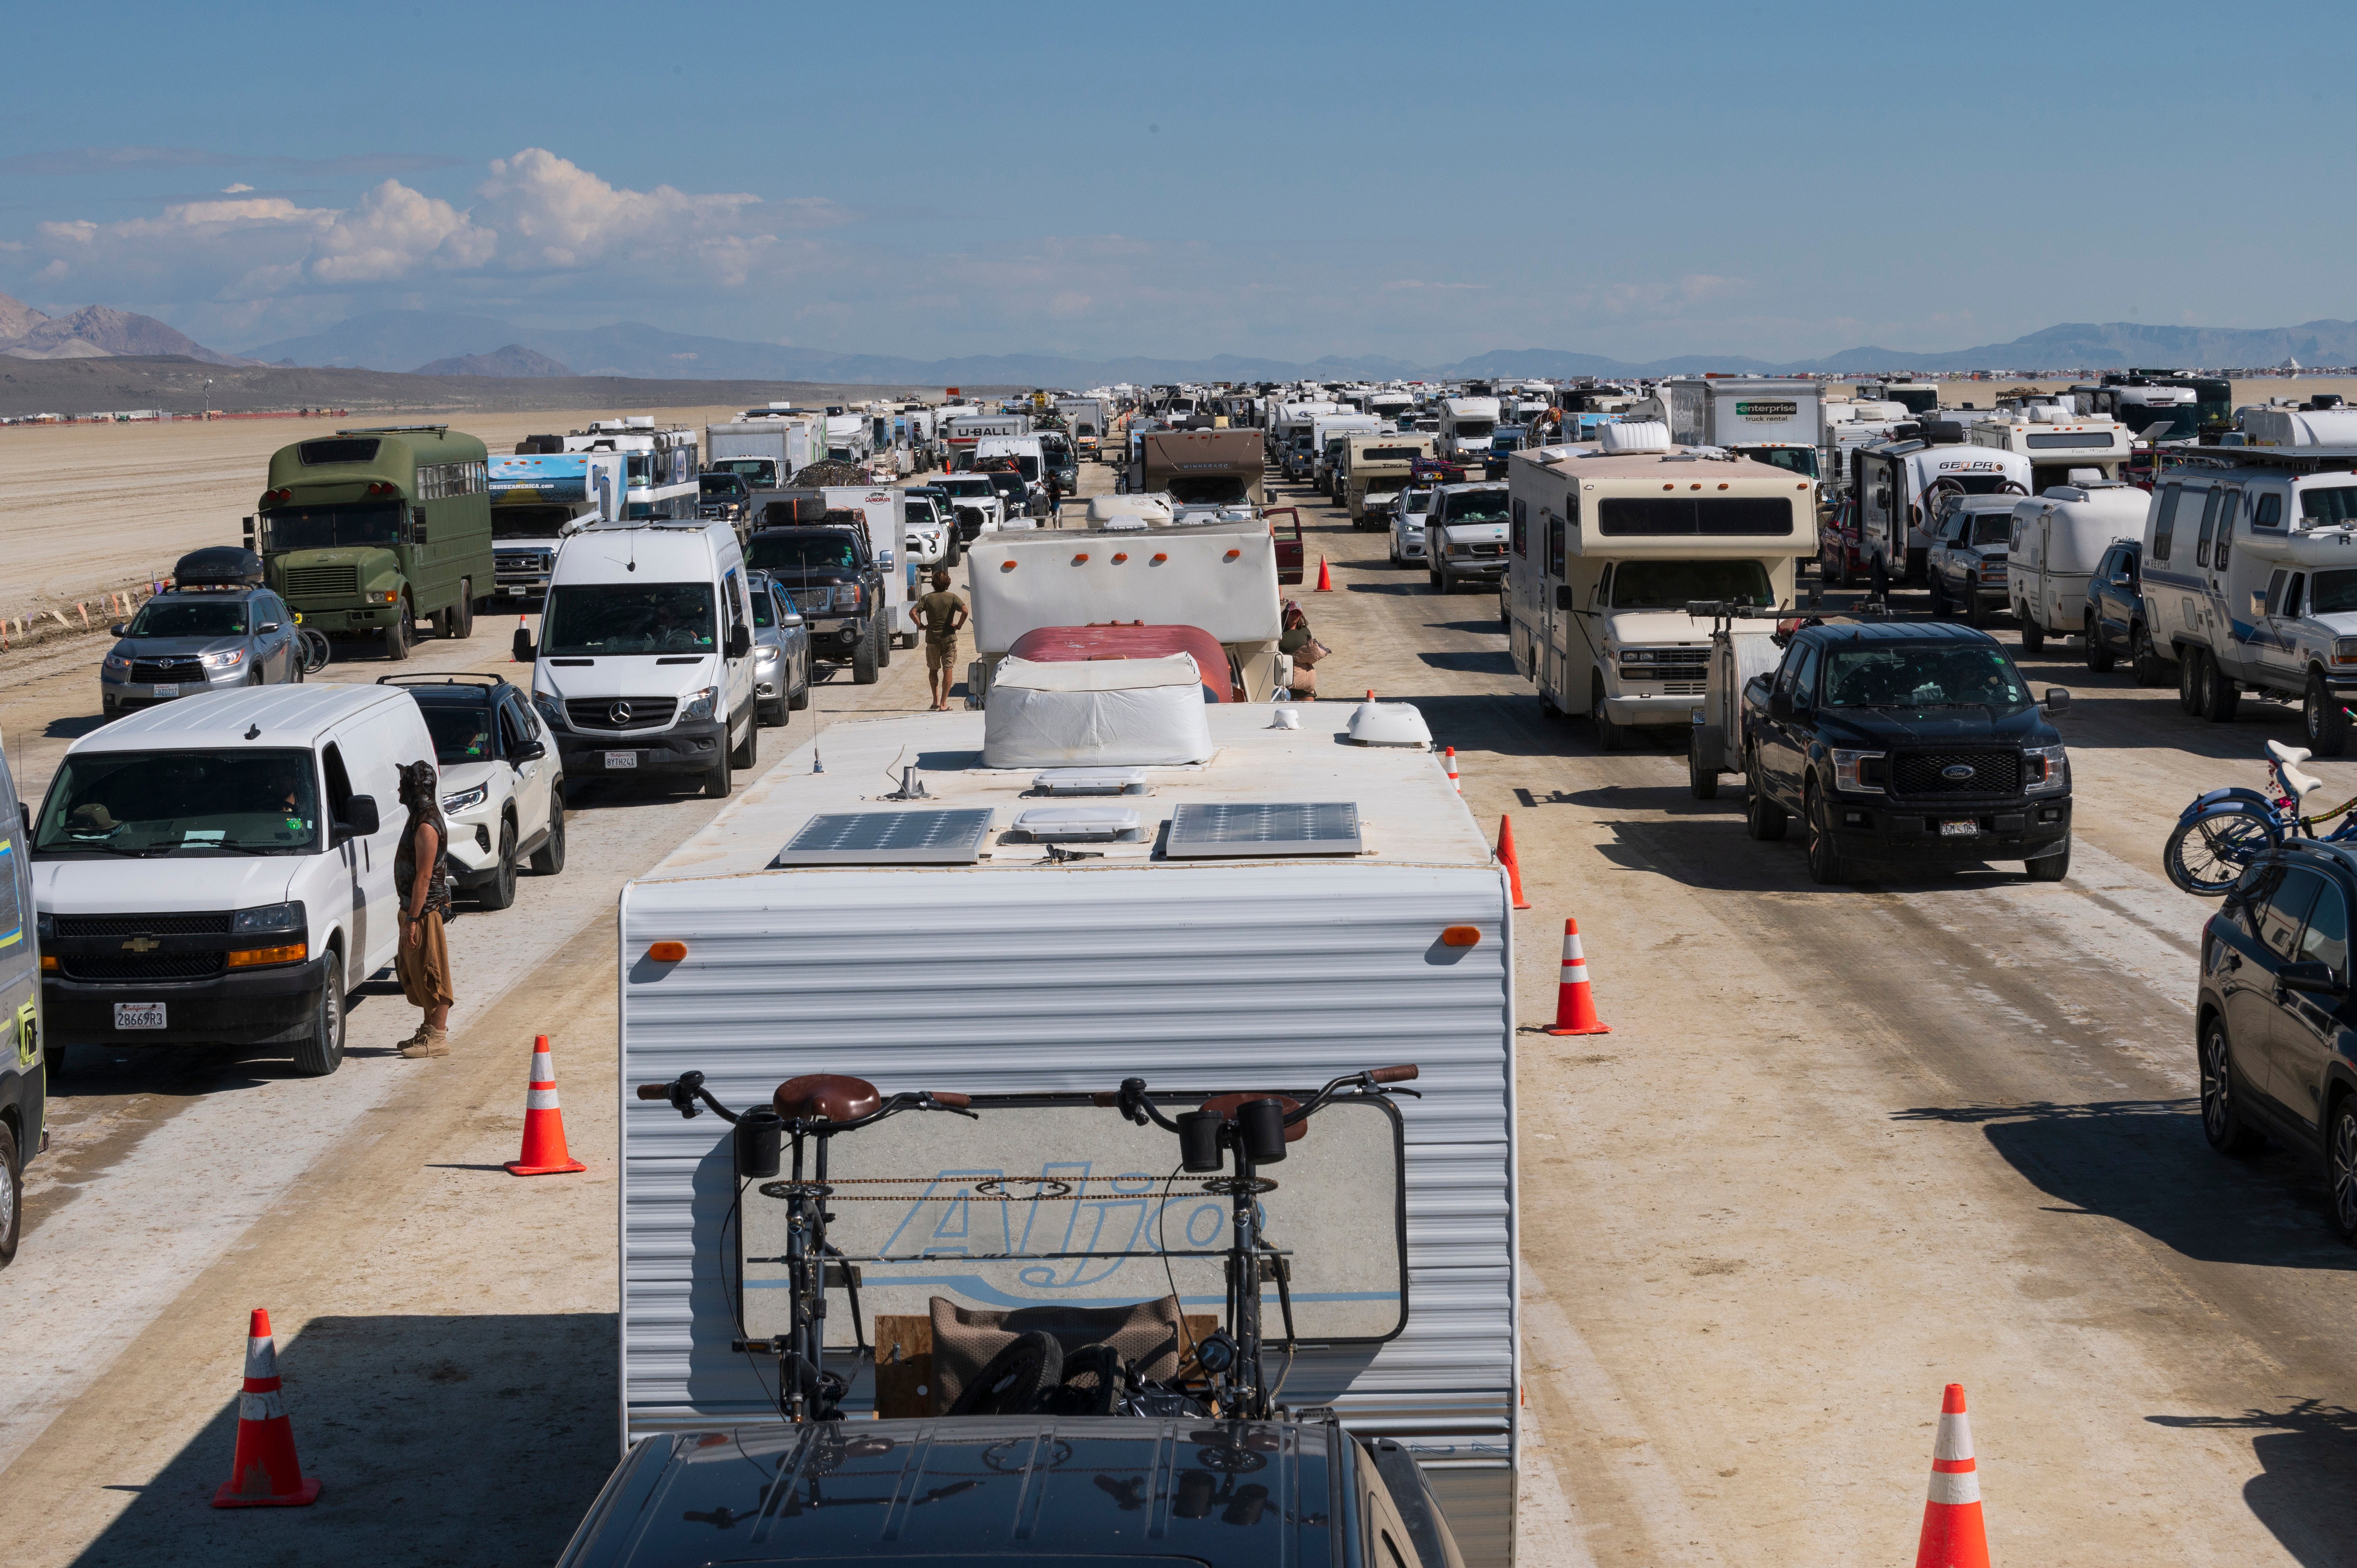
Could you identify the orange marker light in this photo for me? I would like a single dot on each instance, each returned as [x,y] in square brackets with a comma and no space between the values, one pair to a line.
[1233,554]
[1158,560]
[1460,936]
[1118,559]
[1006,565]
[667,952]
[1669,487]
[1083,556]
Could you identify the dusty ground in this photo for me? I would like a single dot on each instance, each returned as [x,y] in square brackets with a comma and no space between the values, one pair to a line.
[1843,1146]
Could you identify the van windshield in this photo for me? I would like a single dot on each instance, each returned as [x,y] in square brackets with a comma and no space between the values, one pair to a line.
[588,619]
[189,617]
[1474,506]
[334,527]
[143,804]
[1674,584]
[1924,676]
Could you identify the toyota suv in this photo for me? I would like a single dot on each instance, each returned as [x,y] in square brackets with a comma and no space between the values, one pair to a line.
[1465,535]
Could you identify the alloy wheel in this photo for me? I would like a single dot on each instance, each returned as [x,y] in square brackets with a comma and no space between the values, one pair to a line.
[2217,1087]
[2344,1170]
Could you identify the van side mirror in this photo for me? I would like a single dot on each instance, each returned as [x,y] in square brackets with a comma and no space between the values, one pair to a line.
[524,653]
[1563,596]
[2057,701]
[359,819]
[740,644]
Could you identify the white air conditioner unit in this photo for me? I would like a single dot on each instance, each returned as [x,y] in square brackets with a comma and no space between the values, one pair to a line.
[1641,435]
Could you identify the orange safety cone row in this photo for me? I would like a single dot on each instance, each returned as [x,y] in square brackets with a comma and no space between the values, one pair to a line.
[265,1473]
[1575,1009]
[544,1121]
[1954,1533]
[1325,578]
[1511,862]
[1453,784]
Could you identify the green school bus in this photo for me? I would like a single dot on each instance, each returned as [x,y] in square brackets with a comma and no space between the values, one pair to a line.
[365,533]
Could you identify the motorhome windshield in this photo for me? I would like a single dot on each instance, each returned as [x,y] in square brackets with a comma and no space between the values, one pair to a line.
[593,619]
[1673,585]
[341,525]
[802,552]
[759,472]
[1474,506]
[530,522]
[1914,402]
[1792,459]
[141,804]
[1474,429]
[1924,675]
[1209,489]
[189,617]
[2328,506]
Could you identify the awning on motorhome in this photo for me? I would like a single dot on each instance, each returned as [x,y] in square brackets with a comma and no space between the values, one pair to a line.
[1133,712]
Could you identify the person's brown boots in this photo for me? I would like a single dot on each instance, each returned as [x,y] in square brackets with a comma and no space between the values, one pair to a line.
[425,1043]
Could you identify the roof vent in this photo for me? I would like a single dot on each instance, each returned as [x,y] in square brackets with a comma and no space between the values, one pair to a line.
[1235,830]
[1067,824]
[888,838]
[1389,724]
[1636,435]
[1091,781]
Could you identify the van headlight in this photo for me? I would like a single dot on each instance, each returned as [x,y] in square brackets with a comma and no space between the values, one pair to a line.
[2044,768]
[549,709]
[2344,650]
[699,704]
[466,799]
[268,918]
[1859,772]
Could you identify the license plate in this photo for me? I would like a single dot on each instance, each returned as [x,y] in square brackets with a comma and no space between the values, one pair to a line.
[139,1015]
[1959,830]
[512,591]
[621,759]
[163,690]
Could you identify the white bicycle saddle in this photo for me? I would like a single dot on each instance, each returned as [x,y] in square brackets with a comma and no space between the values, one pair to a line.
[2287,761]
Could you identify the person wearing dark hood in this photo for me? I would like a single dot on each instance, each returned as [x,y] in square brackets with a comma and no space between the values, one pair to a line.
[421,873]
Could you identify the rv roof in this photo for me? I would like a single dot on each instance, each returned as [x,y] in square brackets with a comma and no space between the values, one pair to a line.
[1406,811]
[1595,464]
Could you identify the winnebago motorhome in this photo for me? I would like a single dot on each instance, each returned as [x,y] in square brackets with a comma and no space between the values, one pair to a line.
[1203,467]
[1160,933]
[1607,546]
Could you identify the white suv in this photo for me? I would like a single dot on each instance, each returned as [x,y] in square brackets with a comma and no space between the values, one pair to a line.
[503,789]
[1407,525]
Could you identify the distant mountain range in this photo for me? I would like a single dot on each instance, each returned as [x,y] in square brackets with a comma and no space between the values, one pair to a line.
[94,332]
[513,359]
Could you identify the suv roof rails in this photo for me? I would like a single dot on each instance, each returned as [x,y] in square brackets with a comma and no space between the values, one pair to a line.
[444,678]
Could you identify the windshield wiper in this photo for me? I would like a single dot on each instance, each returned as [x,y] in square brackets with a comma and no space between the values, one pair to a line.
[101,848]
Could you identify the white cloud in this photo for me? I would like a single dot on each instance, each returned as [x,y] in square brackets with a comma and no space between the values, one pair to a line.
[393,232]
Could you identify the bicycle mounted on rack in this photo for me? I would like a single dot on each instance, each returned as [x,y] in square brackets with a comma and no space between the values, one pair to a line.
[2222,832]
[1223,1374]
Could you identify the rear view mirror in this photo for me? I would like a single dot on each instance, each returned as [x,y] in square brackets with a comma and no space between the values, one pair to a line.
[359,819]
[2057,701]
[2309,976]
[523,649]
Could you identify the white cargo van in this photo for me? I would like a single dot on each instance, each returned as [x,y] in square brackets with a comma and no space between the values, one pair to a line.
[644,664]
[221,870]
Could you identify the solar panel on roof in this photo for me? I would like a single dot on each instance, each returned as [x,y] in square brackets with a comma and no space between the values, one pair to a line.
[888,838]
[1217,829]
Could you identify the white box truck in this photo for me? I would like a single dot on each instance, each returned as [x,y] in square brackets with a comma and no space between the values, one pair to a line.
[767,449]
[1779,420]
[1286,910]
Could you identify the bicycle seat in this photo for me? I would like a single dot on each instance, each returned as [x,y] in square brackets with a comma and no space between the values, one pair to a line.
[827,1094]
[2287,761]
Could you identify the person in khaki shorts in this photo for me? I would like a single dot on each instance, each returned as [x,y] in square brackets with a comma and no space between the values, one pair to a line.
[940,612]
[421,873]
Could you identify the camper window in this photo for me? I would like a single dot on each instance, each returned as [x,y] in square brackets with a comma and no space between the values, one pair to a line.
[1522,528]
[2165,522]
[1625,516]
[2208,526]
[1673,585]
[2333,506]
[1209,489]
[1555,547]
[2267,510]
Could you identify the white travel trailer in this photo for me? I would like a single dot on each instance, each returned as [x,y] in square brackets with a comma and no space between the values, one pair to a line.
[2061,446]
[2058,538]
[1609,543]
[1466,426]
[1898,483]
[2249,572]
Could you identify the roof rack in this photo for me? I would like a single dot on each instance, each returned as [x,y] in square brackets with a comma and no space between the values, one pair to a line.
[443,677]
[396,429]
[2302,459]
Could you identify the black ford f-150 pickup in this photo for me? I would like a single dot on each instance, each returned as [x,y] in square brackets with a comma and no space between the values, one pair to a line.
[1906,743]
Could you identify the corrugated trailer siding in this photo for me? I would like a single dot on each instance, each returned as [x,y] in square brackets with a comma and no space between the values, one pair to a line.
[1004,982]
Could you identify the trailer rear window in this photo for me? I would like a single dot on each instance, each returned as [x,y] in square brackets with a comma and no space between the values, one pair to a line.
[1768,517]
[1392,454]
[315,452]
[2090,440]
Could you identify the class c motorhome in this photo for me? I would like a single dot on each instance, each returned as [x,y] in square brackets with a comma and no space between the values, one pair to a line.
[1466,426]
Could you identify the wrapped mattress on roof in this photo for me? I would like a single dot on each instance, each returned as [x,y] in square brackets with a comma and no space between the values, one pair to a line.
[1095,713]
[1131,639]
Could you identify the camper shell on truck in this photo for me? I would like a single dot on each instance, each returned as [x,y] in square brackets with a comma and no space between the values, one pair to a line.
[365,531]
[1608,545]
[1178,952]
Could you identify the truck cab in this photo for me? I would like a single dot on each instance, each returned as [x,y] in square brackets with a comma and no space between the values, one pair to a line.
[838,586]
[1965,563]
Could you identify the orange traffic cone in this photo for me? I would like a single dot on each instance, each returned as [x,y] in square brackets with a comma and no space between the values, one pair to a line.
[1507,858]
[1575,1009]
[1453,784]
[264,1474]
[543,1121]
[1325,578]
[1954,1534]
[512,657]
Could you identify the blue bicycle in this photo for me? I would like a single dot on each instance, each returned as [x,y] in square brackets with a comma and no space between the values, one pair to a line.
[2220,834]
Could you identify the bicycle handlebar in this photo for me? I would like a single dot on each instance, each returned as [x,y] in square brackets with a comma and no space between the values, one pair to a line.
[1393,1074]
[654,1091]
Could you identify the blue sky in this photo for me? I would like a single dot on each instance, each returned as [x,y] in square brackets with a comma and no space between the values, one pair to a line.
[1420,181]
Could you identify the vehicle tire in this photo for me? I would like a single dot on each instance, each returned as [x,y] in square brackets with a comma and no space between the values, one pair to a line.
[1878,575]
[2206,855]
[1975,616]
[1940,608]
[2033,636]
[863,662]
[2049,868]
[1432,578]
[748,753]
[499,891]
[2339,1171]
[1824,856]
[321,1051]
[1609,737]
[2221,1110]
[1763,818]
[1702,783]
[1833,568]
[549,858]
[2100,657]
[799,698]
[884,641]
[396,636]
[2323,718]
[12,1193]
[2221,694]
[458,622]
[2188,679]
[719,779]
[2145,665]
[1016,1378]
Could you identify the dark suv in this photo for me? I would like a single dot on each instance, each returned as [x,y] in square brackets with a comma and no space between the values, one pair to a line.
[2273,1025]
[1907,741]
[2115,615]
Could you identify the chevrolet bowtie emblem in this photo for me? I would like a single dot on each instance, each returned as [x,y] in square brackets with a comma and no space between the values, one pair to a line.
[142,944]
